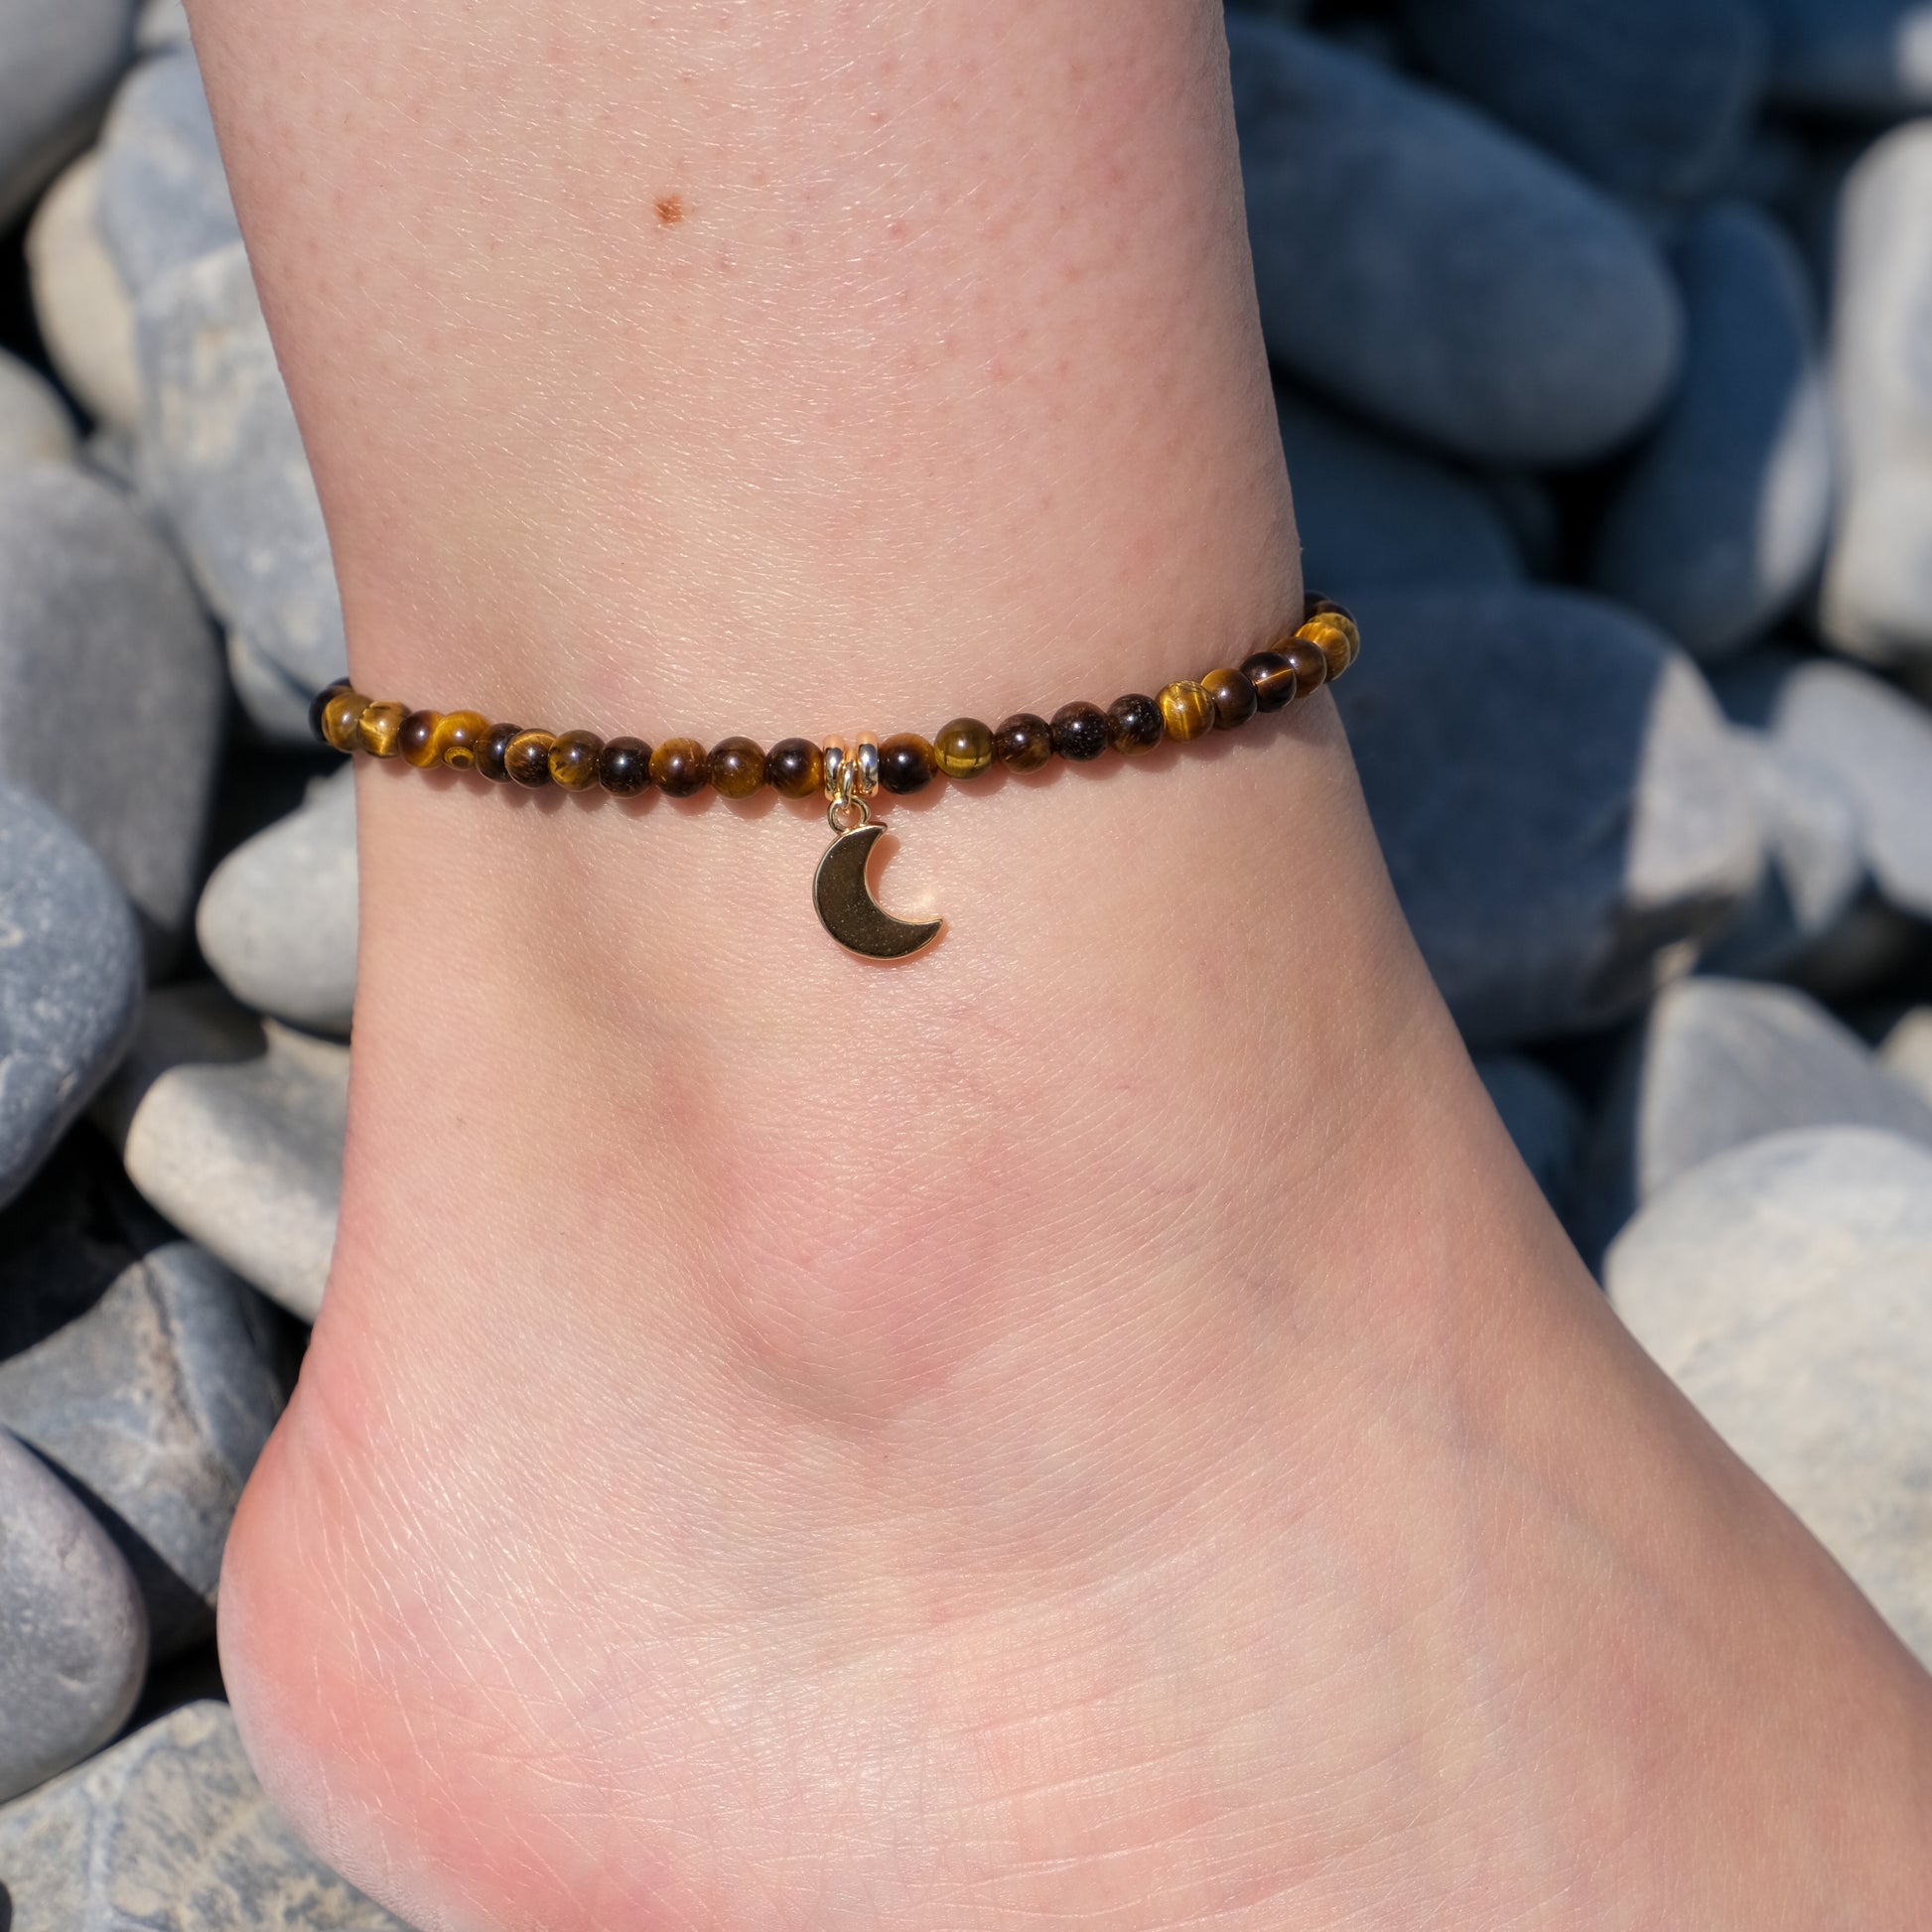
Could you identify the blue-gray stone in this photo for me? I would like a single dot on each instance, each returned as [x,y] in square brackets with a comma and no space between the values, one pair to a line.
[1374,512]
[161,24]
[73,1637]
[70,978]
[1429,270]
[58,60]
[1563,808]
[1544,1118]
[277,702]
[1853,57]
[104,645]
[1720,523]
[154,1404]
[1650,98]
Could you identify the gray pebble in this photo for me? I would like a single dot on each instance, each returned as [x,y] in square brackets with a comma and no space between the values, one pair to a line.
[232,1128]
[70,979]
[1720,523]
[277,703]
[73,1637]
[1857,57]
[102,645]
[1374,512]
[1784,1287]
[1545,1120]
[227,466]
[85,317]
[277,921]
[161,24]
[170,1832]
[156,1402]
[1429,270]
[1563,808]
[35,426]
[58,60]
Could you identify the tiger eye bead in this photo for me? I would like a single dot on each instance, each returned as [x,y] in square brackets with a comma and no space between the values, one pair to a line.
[490,748]
[679,769]
[1134,724]
[1079,731]
[737,767]
[905,764]
[381,729]
[1309,664]
[418,739]
[527,758]
[341,716]
[623,766]
[319,704]
[963,749]
[794,767]
[1023,741]
[572,759]
[1273,678]
[1186,711]
[1232,697]
[1333,633]
[456,738]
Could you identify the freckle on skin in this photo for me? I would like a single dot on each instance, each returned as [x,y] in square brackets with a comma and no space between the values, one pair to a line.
[670,210]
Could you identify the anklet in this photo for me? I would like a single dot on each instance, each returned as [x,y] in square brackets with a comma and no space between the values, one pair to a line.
[848,771]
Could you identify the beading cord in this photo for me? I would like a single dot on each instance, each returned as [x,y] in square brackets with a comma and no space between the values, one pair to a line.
[848,771]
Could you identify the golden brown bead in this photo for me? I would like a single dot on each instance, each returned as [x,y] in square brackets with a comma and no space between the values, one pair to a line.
[623,766]
[1134,724]
[1273,678]
[737,767]
[341,716]
[679,769]
[381,729]
[794,767]
[319,703]
[572,759]
[490,748]
[1333,633]
[1079,731]
[456,736]
[1309,664]
[1186,711]
[418,739]
[905,764]
[1232,697]
[963,749]
[1023,741]
[527,758]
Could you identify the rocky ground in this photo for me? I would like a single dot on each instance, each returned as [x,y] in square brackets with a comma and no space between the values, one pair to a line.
[1604,334]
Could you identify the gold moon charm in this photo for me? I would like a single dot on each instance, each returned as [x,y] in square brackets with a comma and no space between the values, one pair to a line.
[848,910]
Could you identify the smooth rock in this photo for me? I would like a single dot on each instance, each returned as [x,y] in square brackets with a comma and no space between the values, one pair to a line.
[1720,523]
[232,1128]
[111,692]
[164,196]
[1650,98]
[1877,601]
[1784,1287]
[71,981]
[1431,272]
[58,60]
[1856,56]
[156,1403]
[227,465]
[1564,811]
[1718,1063]
[162,23]
[277,703]
[170,1832]
[1545,1120]
[277,921]
[35,426]
[1906,1054]
[1373,512]
[85,317]
[76,1638]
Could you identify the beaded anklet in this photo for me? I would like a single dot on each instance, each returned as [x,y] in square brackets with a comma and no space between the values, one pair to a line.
[848,771]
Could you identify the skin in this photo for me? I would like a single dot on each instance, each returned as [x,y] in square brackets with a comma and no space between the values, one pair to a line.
[1094,1427]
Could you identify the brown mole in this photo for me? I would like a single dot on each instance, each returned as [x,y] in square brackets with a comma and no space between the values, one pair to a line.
[670,210]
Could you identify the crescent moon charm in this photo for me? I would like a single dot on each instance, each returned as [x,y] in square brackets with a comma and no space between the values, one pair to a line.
[848,910]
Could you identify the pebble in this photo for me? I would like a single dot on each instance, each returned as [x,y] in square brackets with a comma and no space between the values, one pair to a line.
[170,1832]
[102,645]
[1784,1287]
[58,60]
[1720,523]
[1545,1120]
[1372,511]
[277,704]
[1432,271]
[76,1637]
[232,1128]
[1906,1054]
[1877,601]
[71,981]
[277,921]
[161,24]
[35,426]
[227,465]
[1856,56]
[85,315]
[156,1402]
[1650,98]
[1562,805]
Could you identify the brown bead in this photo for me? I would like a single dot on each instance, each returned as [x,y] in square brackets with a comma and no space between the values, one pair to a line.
[1134,724]
[1309,664]
[418,739]
[906,762]
[490,748]
[318,704]
[794,767]
[1186,711]
[1273,678]
[1313,605]
[679,769]
[623,766]
[963,749]
[1232,697]
[381,729]
[457,732]
[1023,741]
[1333,633]
[737,767]
[1080,730]
[572,759]
[527,758]
[341,716]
